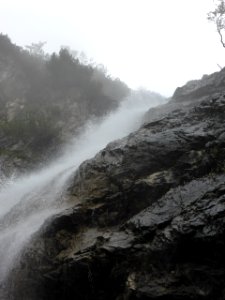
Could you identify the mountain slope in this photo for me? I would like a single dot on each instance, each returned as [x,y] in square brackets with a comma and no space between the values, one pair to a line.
[45,100]
[148,215]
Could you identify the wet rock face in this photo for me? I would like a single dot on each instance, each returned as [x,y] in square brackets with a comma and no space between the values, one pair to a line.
[195,89]
[149,220]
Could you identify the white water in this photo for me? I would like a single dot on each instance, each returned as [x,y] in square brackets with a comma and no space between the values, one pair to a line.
[27,202]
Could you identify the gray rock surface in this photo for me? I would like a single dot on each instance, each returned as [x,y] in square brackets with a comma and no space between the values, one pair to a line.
[148,222]
[207,85]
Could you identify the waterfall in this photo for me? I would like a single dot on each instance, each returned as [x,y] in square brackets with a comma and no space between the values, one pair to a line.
[25,203]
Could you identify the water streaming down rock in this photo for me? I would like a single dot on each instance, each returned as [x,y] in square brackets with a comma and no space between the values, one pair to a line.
[27,202]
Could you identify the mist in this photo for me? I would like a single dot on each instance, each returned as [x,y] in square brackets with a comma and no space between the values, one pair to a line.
[112,152]
[152,44]
[57,110]
[28,201]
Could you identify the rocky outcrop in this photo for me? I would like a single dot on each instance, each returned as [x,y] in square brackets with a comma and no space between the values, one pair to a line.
[146,218]
[206,86]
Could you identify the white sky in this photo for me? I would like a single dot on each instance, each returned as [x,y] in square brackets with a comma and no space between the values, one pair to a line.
[157,44]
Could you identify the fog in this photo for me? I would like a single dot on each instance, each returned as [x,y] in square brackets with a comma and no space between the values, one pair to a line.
[60,107]
[154,44]
[26,202]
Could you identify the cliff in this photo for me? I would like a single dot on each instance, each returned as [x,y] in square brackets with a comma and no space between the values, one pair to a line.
[147,213]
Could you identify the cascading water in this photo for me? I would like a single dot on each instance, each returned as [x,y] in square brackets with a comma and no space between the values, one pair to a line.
[27,202]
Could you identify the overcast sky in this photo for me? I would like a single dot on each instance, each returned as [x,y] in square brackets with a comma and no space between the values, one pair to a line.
[156,44]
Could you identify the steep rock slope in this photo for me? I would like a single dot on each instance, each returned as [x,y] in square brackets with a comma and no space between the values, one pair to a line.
[195,89]
[146,218]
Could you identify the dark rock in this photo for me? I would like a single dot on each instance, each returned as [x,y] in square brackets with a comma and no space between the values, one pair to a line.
[209,85]
[150,220]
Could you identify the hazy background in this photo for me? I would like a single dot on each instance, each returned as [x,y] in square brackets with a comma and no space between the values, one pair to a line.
[155,44]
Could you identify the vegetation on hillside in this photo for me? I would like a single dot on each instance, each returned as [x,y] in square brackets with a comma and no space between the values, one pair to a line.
[46,98]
